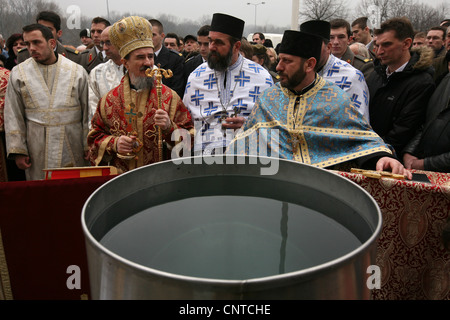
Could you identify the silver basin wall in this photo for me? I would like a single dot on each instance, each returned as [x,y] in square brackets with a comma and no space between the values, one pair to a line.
[112,276]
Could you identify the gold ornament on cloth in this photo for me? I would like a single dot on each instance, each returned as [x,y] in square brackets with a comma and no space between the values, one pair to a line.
[131,33]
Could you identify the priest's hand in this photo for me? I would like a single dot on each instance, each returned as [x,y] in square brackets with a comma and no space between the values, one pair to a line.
[23,162]
[233,123]
[394,166]
[162,120]
[125,144]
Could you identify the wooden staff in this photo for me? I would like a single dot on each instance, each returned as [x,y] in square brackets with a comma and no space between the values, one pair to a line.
[159,73]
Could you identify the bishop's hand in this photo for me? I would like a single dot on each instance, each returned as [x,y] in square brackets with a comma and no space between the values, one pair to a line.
[125,144]
[162,120]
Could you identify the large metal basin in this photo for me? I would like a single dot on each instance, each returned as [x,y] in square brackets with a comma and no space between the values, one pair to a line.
[224,231]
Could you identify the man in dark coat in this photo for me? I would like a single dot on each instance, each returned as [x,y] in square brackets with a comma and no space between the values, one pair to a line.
[430,148]
[400,86]
[95,56]
[168,59]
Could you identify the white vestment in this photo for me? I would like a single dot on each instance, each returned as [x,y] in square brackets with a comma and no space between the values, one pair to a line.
[349,79]
[46,115]
[102,79]
[211,95]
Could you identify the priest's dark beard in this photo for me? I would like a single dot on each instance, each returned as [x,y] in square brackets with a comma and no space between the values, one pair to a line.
[218,62]
[295,80]
[141,83]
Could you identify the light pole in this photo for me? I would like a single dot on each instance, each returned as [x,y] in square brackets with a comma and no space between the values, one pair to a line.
[107,8]
[256,5]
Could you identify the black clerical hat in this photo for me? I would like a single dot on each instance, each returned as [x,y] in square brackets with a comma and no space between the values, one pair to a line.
[224,23]
[301,44]
[318,27]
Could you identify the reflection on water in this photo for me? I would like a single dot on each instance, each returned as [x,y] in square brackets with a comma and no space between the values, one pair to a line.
[229,237]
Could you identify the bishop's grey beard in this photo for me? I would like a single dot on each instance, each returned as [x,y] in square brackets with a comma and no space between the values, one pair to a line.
[218,62]
[141,83]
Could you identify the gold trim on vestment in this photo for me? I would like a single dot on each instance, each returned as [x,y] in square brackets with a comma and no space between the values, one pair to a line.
[5,284]
[101,150]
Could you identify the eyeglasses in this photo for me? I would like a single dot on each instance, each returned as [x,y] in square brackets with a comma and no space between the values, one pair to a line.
[108,43]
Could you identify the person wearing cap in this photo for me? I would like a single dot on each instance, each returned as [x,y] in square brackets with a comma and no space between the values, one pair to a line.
[190,47]
[341,73]
[85,37]
[46,108]
[315,120]
[128,118]
[221,92]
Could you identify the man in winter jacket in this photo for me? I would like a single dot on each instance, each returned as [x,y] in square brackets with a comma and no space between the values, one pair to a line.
[401,85]
[430,148]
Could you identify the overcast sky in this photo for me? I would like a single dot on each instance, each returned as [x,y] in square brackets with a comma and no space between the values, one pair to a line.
[273,12]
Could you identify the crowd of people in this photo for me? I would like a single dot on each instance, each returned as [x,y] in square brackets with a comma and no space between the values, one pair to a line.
[338,95]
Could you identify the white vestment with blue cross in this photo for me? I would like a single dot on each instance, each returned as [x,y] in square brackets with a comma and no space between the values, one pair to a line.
[349,79]
[211,96]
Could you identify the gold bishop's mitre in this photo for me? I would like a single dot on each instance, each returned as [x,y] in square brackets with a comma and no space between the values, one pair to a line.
[131,33]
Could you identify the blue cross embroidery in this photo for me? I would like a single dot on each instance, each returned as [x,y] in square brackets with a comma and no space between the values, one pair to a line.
[256,67]
[210,82]
[355,101]
[188,85]
[269,81]
[343,83]
[366,97]
[198,72]
[197,97]
[334,69]
[242,79]
[255,93]
[360,76]
[211,109]
[240,106]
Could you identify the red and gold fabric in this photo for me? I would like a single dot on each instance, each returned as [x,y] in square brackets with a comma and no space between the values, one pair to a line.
[111,121]
[4,77]
[412,252]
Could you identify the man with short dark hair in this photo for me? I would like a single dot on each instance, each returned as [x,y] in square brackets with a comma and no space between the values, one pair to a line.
[436,40]
[202,57]
[46,108]
[95,56]
[340,35]
[168,59]
[258,38]
[221,92]
[400,86]
[172,41]
[362,33]
[311,130]
[52,20]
